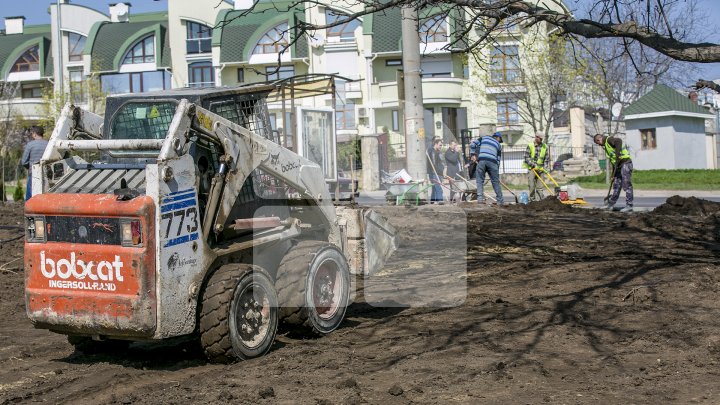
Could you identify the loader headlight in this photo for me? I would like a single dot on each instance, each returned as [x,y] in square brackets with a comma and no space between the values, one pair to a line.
[131,232]
[35,229]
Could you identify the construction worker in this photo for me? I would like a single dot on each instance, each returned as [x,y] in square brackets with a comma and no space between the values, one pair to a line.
[535,158]
[489,161]
[435,169]
[454,165]
[619,157]
[32,154]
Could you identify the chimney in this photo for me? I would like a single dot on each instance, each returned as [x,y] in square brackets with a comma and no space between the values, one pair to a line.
[244,4]
[14,25]
[120,12]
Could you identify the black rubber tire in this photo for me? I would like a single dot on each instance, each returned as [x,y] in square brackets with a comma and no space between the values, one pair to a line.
[220,337]
[294,279]
[87,345]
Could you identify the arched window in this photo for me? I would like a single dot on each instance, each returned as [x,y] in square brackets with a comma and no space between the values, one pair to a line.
[142,52]
[199,38]
[345,32]
[201,74]
[274,41]
[434,29]
[76,45]
[28,62]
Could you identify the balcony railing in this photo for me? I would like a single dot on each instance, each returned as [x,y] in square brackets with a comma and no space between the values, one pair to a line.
[435,90]
[201,84]
[28,108]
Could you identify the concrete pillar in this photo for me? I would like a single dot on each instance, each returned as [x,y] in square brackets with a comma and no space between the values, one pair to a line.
[414,114]
[577,131]
[370,179]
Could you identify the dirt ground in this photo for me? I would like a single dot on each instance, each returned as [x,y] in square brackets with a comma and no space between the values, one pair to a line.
[558,306]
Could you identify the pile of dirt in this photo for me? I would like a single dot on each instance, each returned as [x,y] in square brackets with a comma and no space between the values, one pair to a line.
[549,203]
[677,205]
[586,306]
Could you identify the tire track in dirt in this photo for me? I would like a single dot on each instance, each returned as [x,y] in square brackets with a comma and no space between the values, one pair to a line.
[561,307]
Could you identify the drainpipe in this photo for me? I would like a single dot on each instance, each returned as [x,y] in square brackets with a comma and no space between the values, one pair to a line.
[368,83]
[61,65]
[167,70]
[314,101]
[218,75]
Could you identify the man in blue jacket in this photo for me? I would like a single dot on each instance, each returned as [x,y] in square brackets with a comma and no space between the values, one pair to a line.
[489,161]
[32,154]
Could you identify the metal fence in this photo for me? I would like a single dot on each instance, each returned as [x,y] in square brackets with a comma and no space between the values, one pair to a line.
[396,156]
[513,157]
[10,173]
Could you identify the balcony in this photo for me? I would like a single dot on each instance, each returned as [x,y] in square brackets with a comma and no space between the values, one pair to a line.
[28,108]
[353,90]
[437,90]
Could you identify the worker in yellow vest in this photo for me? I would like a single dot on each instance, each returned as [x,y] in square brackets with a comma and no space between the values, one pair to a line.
[535,157]
[619,157]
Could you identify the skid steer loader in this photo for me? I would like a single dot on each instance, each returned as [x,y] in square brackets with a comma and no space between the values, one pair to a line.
[179,214]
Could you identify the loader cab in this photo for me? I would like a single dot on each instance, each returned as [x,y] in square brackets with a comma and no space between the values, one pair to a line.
[149,116]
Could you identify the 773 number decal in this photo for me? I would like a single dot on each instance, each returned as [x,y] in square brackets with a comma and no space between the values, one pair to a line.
[186,223]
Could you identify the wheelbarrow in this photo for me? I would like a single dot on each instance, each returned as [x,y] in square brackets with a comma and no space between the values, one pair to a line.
[406,193]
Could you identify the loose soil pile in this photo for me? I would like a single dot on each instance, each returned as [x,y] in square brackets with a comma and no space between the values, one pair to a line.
[549,203]
[677,205]
[577,306]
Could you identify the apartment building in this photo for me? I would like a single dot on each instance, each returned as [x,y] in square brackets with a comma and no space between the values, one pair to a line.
[210,43]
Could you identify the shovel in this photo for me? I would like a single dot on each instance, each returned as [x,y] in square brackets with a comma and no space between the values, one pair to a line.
[511,192]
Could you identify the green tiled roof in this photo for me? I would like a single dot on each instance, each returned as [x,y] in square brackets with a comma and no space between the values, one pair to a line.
[387,30]
[238,30]
[387,27]
[111,40]
[662,98]
[12,46]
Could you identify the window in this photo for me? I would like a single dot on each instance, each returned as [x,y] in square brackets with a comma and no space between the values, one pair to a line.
[283,72]
[241,75]
[511,24]
[648,139]
[395,120]
[439,74]
[32,90]
[273,121]
[28,62]
[434,29]
[201,74]
[344,109]
[393,62]
[135,82]
[340,33]
[507,111]
[77,93]
[289,125]
[274,41]
[142,52]
[505,65]
[76,45]
[199,38]
[142,120]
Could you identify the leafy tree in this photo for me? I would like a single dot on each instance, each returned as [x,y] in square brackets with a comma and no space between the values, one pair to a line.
[87,92]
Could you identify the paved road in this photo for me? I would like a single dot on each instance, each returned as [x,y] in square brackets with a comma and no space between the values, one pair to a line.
[640,202]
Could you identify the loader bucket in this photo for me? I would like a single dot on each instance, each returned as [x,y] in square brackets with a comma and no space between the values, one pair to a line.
[368,239]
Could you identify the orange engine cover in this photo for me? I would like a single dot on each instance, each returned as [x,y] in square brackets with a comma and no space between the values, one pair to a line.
[91,288]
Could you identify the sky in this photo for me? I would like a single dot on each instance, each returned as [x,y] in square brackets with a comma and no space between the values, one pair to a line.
[35,12]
